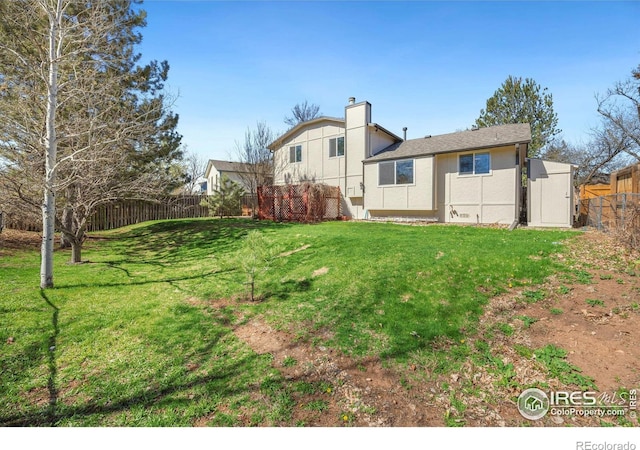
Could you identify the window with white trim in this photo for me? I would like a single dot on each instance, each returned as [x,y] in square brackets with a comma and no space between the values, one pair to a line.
[336,147]
[395,172]
[474,163]
[295,153]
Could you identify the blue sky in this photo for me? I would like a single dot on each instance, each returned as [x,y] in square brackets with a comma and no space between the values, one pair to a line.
[426,65]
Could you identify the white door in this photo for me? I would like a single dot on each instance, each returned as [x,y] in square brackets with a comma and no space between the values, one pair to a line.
[550,194]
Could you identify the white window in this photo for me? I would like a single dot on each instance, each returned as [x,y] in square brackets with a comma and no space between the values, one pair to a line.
[336,147]
[395,172]
[474,163]
[295,153]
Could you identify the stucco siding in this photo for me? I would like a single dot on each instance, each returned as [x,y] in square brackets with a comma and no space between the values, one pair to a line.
[418,195]
[478,198]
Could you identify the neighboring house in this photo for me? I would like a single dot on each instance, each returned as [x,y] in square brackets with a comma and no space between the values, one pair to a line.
[469,176]
[216,169]
[199,186]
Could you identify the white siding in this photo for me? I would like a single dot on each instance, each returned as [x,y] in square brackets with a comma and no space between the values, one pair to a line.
[215,177]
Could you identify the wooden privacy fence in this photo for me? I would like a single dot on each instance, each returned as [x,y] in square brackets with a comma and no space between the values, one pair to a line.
[128,212]
[591,191]
[121,213]
[28,222]
[611,212]
[308,202]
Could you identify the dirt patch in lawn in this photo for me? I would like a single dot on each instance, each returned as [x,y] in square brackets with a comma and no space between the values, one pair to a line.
[348,391]
[592,313]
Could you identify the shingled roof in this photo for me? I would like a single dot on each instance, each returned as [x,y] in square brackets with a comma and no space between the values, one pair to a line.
[227,166]
[455,142]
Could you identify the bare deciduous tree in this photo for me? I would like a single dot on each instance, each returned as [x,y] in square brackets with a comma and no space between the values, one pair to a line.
[194,168]
[620,109]
[255,166]
[301,113]
[598,157]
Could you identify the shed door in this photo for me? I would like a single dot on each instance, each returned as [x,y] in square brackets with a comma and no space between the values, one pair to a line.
[550,194]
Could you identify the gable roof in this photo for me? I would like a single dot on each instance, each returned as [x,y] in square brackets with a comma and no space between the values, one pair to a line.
[278,142]
[480,138]
[226,166]
[377,127]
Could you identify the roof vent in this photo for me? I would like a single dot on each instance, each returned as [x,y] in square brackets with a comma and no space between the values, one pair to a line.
[474,127]
[352,100]
[404,130]
[427,136]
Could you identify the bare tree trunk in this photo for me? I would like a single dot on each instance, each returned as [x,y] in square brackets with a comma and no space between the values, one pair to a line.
[67,222]
[48,235]
[50,144]
[76,251]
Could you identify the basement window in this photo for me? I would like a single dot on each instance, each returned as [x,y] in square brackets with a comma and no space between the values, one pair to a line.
[295,153]
[395,172]
[474,163]
[336,147]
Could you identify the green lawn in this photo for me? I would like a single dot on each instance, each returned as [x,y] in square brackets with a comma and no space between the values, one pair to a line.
[132,338]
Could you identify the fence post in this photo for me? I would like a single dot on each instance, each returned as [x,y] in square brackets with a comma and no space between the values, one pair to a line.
[624,208]
[599,215]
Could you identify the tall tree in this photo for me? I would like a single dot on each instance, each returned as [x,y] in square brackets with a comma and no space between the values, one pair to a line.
[620,110]
[518,101]
[301,113]
[255,161]
[69,68]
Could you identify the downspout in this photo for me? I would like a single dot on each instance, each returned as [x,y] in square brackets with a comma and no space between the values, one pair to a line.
[352,101]
[346,155]
[364,214]
[518,187]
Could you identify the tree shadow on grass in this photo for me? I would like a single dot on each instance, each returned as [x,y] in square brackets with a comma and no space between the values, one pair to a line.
[143,398]
[209,376]
[168,280]
[186,239]
[282,291]
[53,368]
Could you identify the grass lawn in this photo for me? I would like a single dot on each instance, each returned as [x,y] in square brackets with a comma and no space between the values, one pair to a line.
[142,334]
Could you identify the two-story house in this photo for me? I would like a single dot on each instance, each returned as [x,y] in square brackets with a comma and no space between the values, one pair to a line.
[234,171]
[472,176]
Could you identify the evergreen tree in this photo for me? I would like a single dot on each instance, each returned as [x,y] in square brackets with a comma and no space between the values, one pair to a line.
[226,198]
[518,101]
